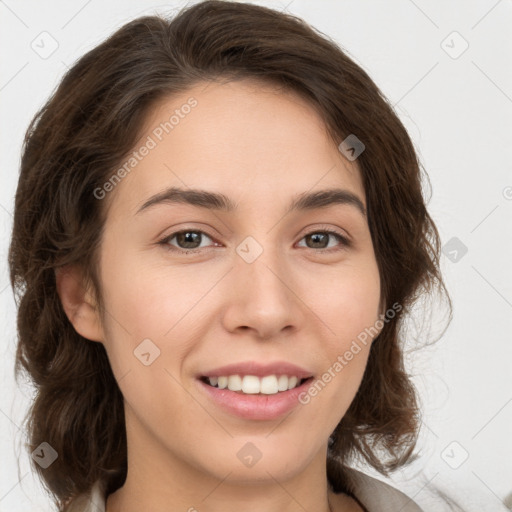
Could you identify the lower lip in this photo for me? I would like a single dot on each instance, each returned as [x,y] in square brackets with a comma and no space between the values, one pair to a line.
[256,407]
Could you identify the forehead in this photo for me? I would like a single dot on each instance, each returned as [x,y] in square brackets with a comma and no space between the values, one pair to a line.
[246,139]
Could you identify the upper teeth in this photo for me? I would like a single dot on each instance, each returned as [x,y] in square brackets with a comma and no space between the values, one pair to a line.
[251,384]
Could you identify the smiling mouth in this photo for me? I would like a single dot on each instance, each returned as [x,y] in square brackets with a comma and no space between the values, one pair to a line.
[253,385]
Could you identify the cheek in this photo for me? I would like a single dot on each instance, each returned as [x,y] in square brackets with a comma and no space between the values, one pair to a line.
[349,304]
[139,307]
[146,299]
[351,313]
[349,308]
[155,303]
[145,340]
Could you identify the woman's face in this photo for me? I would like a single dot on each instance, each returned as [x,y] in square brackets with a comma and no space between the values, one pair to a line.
[259,287]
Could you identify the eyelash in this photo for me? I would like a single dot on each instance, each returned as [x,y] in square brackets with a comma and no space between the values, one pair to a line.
[345,242]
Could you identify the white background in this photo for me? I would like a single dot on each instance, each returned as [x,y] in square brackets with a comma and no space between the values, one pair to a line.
[459,114]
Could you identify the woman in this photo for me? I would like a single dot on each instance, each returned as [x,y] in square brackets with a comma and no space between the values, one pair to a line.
[219,230]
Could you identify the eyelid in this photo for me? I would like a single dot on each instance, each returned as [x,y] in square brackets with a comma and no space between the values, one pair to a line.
[327,228]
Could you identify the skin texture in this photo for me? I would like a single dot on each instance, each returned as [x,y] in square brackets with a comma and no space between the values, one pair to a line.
[260,147]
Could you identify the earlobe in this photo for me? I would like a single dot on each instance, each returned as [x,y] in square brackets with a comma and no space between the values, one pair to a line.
[382,311]
[382,308]
[381,316]
[79,303]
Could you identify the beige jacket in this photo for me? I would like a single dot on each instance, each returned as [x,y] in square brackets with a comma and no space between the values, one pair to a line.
[374,495]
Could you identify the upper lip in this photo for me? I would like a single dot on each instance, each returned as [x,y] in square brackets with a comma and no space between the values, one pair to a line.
[259,370]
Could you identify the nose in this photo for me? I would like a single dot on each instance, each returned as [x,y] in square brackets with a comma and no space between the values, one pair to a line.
[263,297]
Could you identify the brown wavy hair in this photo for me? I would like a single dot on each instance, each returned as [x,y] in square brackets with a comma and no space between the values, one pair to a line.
[88,126]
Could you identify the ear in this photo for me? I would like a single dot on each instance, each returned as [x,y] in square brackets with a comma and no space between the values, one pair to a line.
[79,303]
[382,307]
[382,313]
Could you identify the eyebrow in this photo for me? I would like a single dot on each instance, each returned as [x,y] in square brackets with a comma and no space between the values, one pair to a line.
[219,201]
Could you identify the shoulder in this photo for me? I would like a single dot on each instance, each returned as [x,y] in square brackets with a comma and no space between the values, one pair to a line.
[378,496]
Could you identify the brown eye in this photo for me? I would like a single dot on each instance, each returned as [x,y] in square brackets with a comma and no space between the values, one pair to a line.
[322,239]
[185,240]
[188,239]
[318,240]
